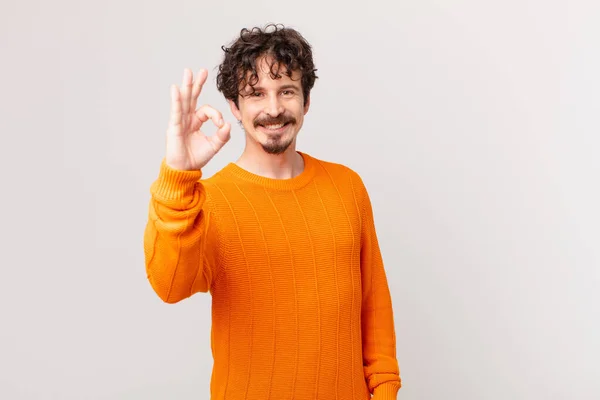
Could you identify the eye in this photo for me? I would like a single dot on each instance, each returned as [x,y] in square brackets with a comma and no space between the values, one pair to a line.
[287,92]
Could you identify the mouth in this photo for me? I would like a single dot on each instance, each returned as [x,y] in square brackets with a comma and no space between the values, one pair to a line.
[274,128]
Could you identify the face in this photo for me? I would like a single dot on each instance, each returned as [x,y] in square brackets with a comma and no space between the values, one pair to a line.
[273,113]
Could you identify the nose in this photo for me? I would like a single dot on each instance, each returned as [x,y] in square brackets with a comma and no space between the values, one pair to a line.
[274,106]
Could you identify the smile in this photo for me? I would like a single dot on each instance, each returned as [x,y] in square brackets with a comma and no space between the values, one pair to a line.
[277,126]
[274,128]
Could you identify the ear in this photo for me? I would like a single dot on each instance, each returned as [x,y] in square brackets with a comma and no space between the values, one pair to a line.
[307,106]
[235,110]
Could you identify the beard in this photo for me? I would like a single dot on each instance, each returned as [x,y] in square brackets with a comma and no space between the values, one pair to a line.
[275,144]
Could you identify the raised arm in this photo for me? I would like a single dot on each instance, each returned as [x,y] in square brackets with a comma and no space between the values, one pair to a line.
[182,244]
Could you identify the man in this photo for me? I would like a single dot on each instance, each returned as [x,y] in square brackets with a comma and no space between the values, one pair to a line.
[284,242]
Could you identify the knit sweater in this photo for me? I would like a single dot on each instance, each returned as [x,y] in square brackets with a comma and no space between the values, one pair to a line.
[301,307]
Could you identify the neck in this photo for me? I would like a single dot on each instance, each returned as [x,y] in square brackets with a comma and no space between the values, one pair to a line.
[286,165]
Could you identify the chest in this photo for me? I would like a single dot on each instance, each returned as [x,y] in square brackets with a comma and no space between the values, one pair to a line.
[306,242]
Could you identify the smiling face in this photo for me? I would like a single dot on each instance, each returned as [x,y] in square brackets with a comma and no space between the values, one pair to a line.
[272,111]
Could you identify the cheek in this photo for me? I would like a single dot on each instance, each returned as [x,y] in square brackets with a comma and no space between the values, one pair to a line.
[250,114]
[299,108]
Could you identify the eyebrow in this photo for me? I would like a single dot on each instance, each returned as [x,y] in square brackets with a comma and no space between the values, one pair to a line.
[288,86]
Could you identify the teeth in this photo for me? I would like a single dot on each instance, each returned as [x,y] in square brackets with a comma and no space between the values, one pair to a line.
[274,126]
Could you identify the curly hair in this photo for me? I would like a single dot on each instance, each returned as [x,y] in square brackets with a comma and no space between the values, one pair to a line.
[286,47]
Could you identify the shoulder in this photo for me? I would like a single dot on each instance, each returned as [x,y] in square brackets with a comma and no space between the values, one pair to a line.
[332,168]
[340,173]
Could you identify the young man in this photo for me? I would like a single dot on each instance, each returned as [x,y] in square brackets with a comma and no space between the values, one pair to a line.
[284,242]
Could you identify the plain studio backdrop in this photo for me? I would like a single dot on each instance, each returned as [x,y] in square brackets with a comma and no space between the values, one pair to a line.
[474,125]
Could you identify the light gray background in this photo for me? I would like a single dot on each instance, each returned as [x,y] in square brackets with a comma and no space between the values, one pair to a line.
[473,123]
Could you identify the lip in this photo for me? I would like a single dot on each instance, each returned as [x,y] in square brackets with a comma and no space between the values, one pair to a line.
[273,131]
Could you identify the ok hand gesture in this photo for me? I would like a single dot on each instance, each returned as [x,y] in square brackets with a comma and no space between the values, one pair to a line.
[187,147]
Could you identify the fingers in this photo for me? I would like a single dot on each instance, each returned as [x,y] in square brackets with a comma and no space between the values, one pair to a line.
[223,133]
[175,119]
[183,100]
[197,87]
[186,91]
[221,137]
[206,112]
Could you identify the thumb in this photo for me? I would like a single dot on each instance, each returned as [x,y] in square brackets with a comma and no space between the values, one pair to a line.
[221,137]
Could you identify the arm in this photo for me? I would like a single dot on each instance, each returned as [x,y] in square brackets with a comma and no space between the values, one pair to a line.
[378,334]
[181,242]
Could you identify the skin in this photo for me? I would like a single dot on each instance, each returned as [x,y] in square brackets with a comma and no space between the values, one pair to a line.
[188,148]
[268,152]
[271,152]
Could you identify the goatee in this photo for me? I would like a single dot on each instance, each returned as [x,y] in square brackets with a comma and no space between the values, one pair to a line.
[276,145]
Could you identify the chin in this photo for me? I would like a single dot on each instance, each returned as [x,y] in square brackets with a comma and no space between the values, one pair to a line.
[277,146]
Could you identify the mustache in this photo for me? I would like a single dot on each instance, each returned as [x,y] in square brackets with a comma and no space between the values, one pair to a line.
[280,119]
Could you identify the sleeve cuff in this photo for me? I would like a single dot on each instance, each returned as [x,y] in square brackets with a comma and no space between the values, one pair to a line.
[386,391]
[173,184]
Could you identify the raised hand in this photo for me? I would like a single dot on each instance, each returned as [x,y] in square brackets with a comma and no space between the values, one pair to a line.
[187,147]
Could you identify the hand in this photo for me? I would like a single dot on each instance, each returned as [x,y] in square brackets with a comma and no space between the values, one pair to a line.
[187,147]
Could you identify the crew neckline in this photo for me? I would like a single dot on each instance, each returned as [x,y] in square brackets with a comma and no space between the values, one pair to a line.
[296,182]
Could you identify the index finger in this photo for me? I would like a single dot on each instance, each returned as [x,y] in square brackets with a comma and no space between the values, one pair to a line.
[207,112]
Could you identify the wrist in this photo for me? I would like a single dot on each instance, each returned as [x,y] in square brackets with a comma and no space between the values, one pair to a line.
[173,183]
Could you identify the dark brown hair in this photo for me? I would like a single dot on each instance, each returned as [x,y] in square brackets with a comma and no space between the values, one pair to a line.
[287,48]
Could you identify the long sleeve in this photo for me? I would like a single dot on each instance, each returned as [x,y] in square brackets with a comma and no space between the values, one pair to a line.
[181,239]
[379,339]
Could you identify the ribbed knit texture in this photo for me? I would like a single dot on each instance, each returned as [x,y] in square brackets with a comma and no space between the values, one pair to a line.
[301,307]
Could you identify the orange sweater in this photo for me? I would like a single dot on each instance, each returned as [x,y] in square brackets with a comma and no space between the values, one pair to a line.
[300,302]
